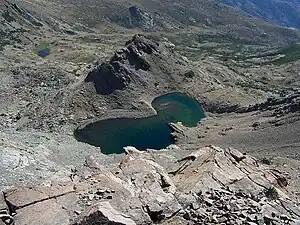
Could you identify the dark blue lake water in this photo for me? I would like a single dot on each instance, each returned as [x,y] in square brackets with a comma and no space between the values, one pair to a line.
[43,52]
[152,132]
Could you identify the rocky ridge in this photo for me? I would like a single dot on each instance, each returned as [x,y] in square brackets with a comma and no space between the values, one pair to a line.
[116,74]
[278,105]
[210,185]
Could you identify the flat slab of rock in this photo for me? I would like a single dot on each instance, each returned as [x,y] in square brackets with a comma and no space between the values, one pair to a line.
[42,205]
[47,212]
[5,217]
[20,197]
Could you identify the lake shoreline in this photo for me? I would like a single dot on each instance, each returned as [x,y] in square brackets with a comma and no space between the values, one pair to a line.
[143,132]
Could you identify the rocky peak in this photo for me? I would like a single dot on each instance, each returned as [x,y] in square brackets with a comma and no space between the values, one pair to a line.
[143,44]
[135,52]
[122,67]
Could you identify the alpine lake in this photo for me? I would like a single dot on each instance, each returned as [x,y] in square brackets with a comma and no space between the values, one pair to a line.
[152,132]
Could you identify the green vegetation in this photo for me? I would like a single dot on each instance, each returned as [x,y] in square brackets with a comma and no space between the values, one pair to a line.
[225,47]
[222,46]
[41,45]
[291,52]
[223,38]
[42,49]
[7,38]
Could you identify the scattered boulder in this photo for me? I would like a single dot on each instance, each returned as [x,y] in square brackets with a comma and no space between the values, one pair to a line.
[189,74]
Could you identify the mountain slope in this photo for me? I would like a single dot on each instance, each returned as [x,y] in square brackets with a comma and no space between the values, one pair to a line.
[281,12]
[153,16]
[14,23]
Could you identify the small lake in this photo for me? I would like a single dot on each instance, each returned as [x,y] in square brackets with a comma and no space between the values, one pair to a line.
[152,132]
[43,52]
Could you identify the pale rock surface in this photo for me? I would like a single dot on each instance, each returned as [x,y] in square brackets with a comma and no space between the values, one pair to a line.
[209,186]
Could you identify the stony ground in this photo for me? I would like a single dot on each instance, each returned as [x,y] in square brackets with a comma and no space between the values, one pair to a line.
[42,101]
[208,186]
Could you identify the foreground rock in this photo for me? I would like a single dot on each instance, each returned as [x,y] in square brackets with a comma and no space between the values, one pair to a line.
[210,186]
[103,213]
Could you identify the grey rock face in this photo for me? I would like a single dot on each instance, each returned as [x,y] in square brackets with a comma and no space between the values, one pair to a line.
[139,18]
[209,186]
[15,21]
[278,105]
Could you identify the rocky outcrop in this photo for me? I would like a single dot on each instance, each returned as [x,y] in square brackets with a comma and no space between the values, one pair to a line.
[120,70]
[217,107]
[109,77]
[140,18]
[279,106]
[209,186]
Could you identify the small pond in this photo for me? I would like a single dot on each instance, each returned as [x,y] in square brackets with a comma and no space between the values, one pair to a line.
[152,132]
[43,52]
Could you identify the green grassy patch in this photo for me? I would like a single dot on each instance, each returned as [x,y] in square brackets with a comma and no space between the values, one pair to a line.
[41,45]
[42,49]
[291,52]
[224,38]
